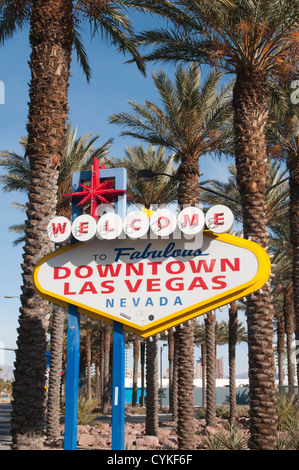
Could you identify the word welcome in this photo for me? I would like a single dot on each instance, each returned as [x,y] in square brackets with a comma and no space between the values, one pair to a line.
[137,224]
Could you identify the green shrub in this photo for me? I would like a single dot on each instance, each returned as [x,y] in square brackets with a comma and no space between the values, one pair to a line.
[87,411]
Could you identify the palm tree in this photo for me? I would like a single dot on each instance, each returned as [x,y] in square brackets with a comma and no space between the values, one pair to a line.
[210,319]
[284,145]
[151,423]
[250,39]
[236,334]
[192,122]
[78,154]
[54,30]
[136,349]
[200,339]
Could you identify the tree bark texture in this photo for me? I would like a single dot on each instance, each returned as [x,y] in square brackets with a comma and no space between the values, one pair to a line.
[135,369]
[107,347]
[53,405]
[288,308]
[51,37]
[170,361]
[210,319]
[280,349]
[250,103]
[152,405]
[188,194]
[232,341]
[293,167]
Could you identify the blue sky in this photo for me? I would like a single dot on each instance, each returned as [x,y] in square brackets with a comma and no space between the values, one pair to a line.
[112,83]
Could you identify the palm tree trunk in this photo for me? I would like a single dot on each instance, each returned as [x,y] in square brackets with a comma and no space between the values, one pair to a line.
[280,349]
[289,329]
[170,360]
[53,407]
[210,319]
[293,167]
[135,370]
[203,371]
[88,364]
[106,391]
[232,332]
[188,193]
[142,364]
[51,37]
[250,102]
[151,423]
[174,399]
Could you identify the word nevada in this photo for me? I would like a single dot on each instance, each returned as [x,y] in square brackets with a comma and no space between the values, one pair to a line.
[142,224]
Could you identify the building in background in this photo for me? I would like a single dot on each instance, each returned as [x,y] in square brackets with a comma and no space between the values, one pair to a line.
[219,369]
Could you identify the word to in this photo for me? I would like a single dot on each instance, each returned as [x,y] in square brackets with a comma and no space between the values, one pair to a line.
[162,223]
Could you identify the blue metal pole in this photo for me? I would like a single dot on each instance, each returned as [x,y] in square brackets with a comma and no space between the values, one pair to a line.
[72,379]
[73,356]
[118,387]
[118,355]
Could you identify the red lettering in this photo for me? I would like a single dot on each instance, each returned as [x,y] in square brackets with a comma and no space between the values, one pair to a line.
[218,219]
[83,227]
[109,270]
[154,267]
[179,271]
[178,285]
[136,269]
[166,222]
[87,287]
[233,267]
[66,290]
[105,285]
[202,262]
[78,272]
[133,226]
[130,287]
[58,228]
[217,280]
[107,229]
[58,275]
[152,283]
[198,282]
[194,220]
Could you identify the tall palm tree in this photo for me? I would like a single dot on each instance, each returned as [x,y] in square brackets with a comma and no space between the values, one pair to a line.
[284,145]
[200,339]
[210,320]
[79,152]
[54,30]
[191,123]
[250,39]
[151,424]
[236,334]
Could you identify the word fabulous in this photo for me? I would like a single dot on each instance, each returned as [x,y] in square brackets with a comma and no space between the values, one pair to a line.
[137,224]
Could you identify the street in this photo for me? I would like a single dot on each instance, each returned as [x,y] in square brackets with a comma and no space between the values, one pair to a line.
[5,438]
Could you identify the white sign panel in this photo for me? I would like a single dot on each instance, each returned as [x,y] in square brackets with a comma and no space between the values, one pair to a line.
[147,284]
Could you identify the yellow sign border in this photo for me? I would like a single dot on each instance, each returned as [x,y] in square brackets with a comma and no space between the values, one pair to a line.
[183,315]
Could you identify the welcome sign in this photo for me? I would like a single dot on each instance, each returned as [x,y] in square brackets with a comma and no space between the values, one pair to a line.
[150,285]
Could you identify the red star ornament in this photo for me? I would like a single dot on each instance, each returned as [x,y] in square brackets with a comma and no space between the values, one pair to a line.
[97,192]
